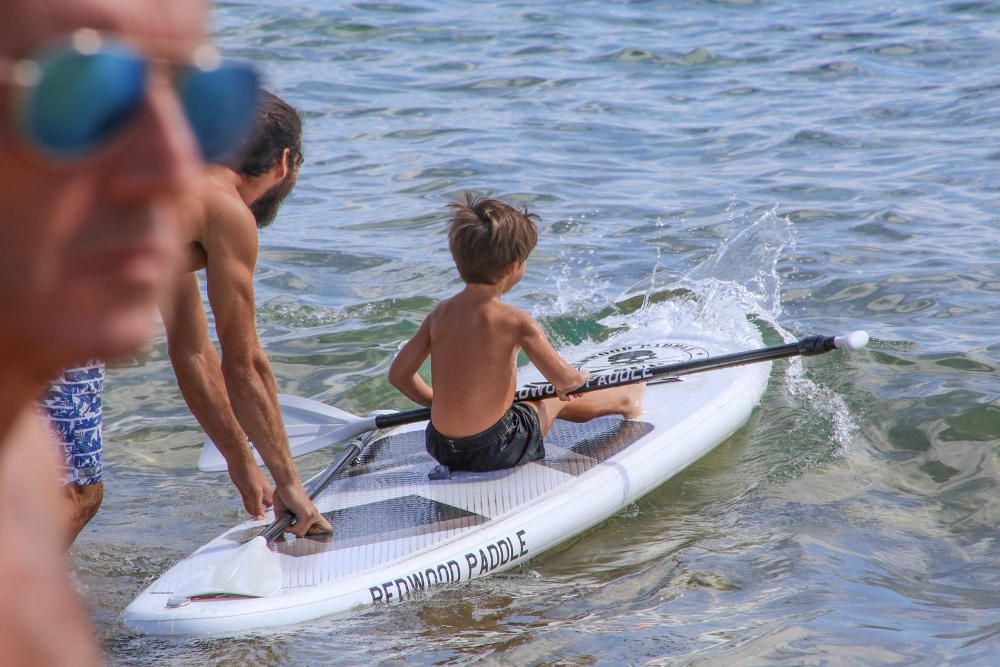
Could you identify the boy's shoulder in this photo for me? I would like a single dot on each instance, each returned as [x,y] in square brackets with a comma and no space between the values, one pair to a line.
[515,312]
[513,319]
[500,313]
[506,312]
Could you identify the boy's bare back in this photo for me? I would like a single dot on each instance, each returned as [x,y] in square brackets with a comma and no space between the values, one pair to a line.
[473,339]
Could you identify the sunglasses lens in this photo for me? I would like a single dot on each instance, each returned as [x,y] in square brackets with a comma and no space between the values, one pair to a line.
[81,100]
[221,105]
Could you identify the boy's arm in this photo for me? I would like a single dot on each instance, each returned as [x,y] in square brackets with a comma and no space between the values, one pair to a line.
[403,372]
[564,377]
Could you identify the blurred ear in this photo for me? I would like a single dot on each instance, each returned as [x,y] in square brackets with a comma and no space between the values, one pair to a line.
[282,166]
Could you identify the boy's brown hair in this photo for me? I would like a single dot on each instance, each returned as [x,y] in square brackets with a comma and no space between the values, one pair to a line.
[487,235]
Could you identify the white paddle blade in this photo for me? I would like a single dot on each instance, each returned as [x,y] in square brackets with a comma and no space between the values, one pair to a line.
[300,446]
[301,441]
[310,425]
[212,460]
[252,571]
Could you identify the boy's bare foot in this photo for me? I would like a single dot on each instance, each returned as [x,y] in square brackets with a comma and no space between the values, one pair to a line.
[633,400]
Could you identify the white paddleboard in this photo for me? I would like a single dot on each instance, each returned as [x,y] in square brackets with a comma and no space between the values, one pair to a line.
[398,534]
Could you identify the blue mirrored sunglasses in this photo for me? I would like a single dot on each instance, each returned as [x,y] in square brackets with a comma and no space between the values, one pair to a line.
[75,99]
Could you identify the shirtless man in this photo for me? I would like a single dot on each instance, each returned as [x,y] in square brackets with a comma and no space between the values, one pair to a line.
[236,397]
[473,339]
[96,155]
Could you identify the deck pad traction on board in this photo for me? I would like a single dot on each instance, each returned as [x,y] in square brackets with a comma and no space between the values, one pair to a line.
[410,508]
[570,447]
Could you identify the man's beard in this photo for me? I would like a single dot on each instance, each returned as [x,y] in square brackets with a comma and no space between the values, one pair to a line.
[265,209]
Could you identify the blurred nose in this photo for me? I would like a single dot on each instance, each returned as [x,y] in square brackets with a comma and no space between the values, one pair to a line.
[159,156]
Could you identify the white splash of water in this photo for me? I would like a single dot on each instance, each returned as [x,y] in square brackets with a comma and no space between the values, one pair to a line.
[748,261]
[734,293]
[715,298]
[745,269]
[579,286]
[823,400]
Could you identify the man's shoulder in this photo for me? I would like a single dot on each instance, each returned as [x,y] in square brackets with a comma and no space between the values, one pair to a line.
[223,205]
[229,223]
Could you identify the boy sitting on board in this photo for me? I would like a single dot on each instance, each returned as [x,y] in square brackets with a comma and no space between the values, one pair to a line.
[473,339]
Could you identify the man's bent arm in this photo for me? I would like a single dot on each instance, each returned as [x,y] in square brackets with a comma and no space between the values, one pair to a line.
[199,376]
[250,384]
[249,381]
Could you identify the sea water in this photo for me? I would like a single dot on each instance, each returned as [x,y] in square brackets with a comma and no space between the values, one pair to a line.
[820,167]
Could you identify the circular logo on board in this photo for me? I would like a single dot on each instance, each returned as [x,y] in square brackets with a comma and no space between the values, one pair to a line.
[640,356]
[622,364]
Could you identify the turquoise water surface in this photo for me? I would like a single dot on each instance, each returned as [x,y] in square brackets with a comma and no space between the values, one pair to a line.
[837,162]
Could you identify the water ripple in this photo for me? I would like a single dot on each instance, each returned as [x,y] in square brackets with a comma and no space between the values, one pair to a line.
[852,521]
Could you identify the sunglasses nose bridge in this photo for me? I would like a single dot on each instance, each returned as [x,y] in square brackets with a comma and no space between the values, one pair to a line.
[163,155]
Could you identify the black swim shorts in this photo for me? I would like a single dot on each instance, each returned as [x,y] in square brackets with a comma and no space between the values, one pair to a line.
[514,440]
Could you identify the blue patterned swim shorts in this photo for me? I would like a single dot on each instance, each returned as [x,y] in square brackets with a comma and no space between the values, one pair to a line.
[74,406]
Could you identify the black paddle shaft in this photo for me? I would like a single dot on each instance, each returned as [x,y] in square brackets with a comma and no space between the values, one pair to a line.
[351,452]
[806,347]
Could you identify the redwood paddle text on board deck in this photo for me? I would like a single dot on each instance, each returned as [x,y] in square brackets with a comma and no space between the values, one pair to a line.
[473,564]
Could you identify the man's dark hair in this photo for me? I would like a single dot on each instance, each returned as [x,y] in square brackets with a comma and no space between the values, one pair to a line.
[278,127]
[487,235]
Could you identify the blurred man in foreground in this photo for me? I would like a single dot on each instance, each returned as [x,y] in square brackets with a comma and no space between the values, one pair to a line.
[108,108]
